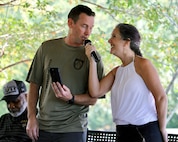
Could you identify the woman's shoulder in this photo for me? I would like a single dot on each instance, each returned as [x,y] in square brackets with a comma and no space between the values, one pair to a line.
[141,64]
[114,70]
[141,61]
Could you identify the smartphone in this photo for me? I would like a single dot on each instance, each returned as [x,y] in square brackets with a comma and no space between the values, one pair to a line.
[55,75]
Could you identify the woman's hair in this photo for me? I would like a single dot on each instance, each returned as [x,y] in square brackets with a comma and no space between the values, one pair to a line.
[129,32]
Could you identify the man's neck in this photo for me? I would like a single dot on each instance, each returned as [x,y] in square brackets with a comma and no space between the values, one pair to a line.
[70,42]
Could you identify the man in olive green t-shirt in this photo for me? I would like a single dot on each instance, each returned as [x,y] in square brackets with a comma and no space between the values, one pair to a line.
[62,118]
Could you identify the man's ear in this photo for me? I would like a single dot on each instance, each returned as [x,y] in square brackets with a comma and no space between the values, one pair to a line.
[25,96]
[70,22]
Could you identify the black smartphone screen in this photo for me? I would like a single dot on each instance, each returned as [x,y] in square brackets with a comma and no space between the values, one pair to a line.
[55,75]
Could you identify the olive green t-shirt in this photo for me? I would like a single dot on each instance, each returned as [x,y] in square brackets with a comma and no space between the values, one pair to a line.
[54,114]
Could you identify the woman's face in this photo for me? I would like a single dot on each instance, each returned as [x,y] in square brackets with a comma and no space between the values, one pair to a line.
[116,42]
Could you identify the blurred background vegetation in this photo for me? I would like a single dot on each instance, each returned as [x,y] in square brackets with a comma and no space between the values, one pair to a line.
[24,24]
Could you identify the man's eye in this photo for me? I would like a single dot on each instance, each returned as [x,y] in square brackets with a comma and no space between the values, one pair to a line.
[16,102]
[7,102]
[84,26]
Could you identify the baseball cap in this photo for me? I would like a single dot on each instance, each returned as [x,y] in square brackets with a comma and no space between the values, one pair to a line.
[13,89]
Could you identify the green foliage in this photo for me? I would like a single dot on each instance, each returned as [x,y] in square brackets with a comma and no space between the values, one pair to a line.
[24,25]
[100,118]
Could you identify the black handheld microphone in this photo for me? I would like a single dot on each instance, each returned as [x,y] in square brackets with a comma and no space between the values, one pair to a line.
[93,54]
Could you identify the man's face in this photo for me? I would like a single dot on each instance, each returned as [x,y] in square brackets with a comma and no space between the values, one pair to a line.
[18,106]
[80,30]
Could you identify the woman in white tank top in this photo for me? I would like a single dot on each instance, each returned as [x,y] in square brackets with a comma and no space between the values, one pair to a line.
[138,100]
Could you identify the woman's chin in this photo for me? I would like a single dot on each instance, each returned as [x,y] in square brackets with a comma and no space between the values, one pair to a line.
[111,52]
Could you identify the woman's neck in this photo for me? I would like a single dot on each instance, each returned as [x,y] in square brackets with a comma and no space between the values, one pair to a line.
[127,59]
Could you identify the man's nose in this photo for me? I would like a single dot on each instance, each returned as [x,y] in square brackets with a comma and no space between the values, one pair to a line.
[11,105]
[88,31]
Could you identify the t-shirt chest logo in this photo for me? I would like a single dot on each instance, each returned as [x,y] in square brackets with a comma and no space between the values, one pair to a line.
[24,123]
[78,63]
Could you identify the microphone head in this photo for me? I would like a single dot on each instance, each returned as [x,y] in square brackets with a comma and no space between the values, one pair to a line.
[87,41]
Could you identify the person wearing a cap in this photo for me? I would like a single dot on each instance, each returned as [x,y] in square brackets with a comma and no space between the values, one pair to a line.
[13,124]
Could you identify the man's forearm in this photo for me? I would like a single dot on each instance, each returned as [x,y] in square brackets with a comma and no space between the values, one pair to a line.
[84,99]
[32,100]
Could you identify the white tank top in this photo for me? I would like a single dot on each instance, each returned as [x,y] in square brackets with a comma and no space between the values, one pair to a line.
[131,101]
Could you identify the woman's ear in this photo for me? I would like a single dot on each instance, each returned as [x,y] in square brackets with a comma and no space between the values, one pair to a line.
[128,39]
[127,42]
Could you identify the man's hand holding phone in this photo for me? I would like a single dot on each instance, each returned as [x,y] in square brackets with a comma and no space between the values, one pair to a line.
[61,91]
[55,75]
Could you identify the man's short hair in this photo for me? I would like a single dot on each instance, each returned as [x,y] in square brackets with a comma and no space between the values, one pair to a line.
[77,10]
